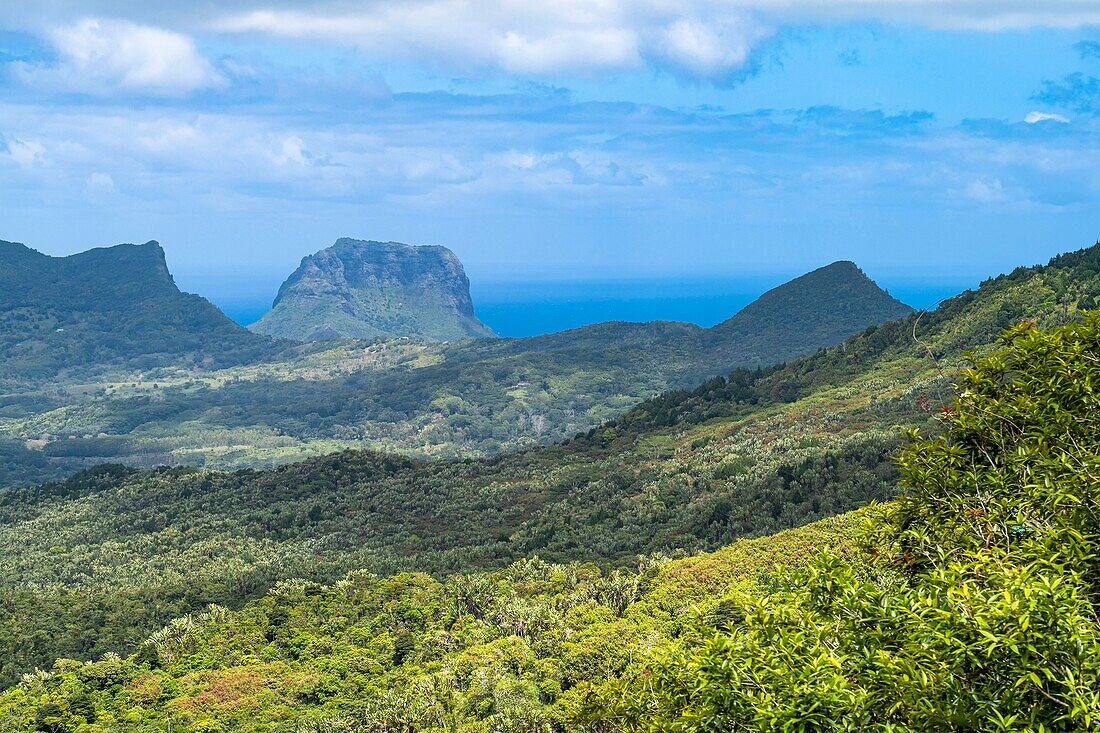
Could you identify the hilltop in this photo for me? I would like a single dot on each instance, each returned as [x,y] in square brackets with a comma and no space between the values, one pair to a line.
[375,290]
[822,307]
[109,305]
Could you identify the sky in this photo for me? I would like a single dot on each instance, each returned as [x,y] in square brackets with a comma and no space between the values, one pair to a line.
[926,140]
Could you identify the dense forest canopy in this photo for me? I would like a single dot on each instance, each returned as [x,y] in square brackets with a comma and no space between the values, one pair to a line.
[969,603]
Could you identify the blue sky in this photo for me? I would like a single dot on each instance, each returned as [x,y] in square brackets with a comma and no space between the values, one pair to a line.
[583,139]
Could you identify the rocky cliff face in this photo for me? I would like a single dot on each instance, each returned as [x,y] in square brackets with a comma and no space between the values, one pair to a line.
[369,290]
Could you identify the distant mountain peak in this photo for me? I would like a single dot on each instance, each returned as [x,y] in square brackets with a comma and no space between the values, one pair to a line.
[369,289]
[134,260]
[821,308]
[840,268]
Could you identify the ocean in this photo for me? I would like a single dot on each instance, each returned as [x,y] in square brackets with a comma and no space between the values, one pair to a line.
[518,309]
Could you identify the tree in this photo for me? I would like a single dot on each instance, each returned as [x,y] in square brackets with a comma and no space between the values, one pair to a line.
[974,605]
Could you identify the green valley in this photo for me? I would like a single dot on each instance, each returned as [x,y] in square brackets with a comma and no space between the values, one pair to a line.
[467,398]
[972,594]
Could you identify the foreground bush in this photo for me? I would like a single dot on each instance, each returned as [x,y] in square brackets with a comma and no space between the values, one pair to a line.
[973,608]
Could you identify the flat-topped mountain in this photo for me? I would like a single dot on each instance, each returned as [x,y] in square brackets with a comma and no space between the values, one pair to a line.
[104,305]
[370,290]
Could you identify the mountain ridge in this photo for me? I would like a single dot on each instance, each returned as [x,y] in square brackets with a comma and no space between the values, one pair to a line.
[109,304]
[473,397]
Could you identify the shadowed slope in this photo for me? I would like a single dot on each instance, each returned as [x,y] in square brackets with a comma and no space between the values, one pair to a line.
[105,305]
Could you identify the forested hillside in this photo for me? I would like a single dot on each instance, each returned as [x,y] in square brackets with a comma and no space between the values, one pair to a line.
[975,605]
[104,306]
[970,603]
[513,649]
[470,398]
[746,455]
[783,319]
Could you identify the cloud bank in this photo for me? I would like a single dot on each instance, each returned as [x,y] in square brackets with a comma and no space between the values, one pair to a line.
[255,124]
[102,57]
[706,39]
[710,40]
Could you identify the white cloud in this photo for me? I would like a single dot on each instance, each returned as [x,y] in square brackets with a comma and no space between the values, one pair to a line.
[708,49]
[576,167]
[26,153]
[100,183]
[985,190]
[524,37]
[292,152]
[576,49]
[1036,116]
[702,38]
[103,57]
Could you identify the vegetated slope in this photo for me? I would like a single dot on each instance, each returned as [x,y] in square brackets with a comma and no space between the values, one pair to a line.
[970,603]
[751,454]
[475,397]
[783,320]
[371,290]
[974,606]
[108,305]
[513,649]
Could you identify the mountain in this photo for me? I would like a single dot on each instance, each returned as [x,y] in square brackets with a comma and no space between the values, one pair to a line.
[473,397]
[375,290]
[106,305]
[822,308]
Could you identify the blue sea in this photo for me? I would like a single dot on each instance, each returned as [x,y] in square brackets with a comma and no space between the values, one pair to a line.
[517,309]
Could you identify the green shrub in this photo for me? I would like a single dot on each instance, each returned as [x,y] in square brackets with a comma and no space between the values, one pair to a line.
[974,606]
